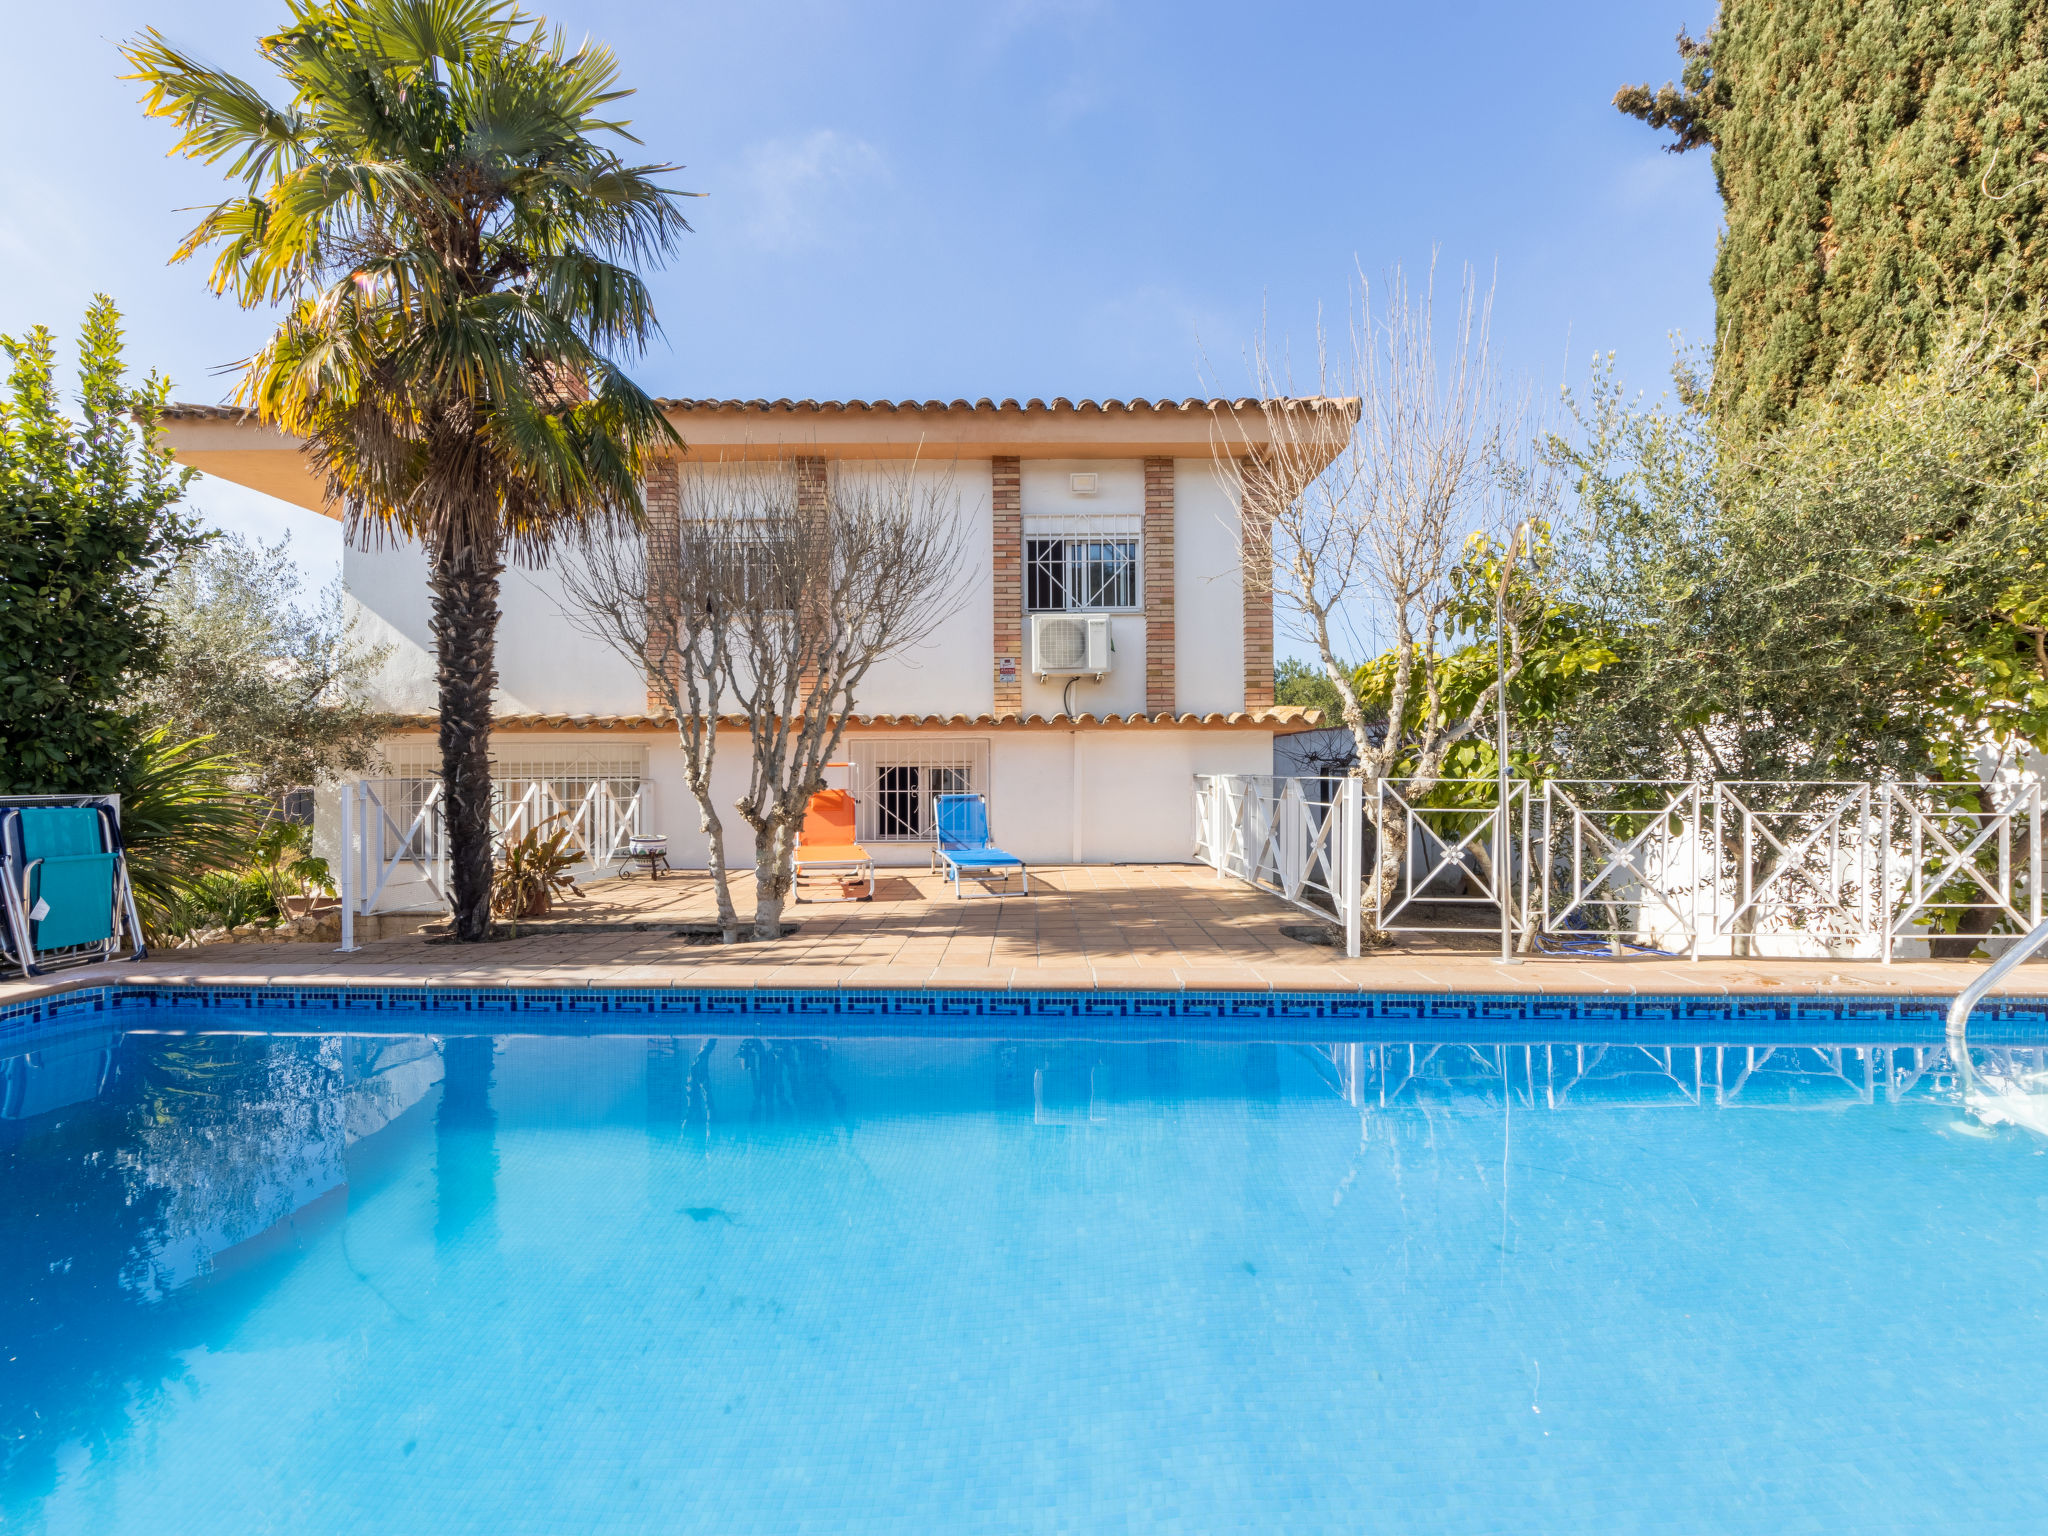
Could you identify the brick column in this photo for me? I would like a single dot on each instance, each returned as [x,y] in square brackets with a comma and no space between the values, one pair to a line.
[1006,494]
[1255,561]
[813,506]
[1159,681]
[813,488]
[663,492]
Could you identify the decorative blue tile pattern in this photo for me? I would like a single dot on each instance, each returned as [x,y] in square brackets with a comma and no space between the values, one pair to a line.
[1023,1014]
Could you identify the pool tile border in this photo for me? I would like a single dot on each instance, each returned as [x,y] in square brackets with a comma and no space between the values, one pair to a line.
[585,1010]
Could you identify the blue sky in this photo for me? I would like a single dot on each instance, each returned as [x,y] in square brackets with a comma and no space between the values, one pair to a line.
[1032,198]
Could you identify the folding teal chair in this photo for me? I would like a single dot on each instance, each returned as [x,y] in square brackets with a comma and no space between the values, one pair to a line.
[963,848]
[65,878]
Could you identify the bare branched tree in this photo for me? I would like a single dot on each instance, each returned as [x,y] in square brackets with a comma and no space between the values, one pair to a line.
[775,607]
[1358,505]
[872,574]
[673,612]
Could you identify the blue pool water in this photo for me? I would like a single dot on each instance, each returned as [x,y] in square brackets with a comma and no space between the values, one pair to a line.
[661,1263]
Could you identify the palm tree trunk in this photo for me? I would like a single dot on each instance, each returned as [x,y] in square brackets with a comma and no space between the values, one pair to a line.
[464,586]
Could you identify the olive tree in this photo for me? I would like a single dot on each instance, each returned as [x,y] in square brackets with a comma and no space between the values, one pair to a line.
[1357,512]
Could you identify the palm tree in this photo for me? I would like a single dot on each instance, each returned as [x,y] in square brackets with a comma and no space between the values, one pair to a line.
[456,255]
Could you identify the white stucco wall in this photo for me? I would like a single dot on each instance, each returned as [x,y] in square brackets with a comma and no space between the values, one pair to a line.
[1208,592]
[951,671]
[1109,796]
[545,664]
[385,594]
[1134,791]
[1121,692]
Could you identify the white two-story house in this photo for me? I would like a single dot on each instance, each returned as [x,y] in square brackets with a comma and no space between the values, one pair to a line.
[1114,509]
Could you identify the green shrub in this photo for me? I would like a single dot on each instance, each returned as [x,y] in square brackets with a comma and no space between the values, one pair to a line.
[223,899]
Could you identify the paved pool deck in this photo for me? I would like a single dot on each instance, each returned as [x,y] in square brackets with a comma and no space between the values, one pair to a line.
[1154,927]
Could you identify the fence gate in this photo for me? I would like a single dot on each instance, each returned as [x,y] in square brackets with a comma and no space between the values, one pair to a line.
[599,815]
[1934,852]
[1610,851]
[1819,846]
[1451,854]
[387,824]
[1640,862]
[394,840]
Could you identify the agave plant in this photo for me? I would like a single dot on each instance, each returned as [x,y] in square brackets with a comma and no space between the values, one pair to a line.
[531,869]
[182,818]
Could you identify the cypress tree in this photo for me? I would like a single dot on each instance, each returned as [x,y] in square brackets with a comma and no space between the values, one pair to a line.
[1883,165]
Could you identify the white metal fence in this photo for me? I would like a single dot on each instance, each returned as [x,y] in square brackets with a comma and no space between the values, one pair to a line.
[394,845]
[1301,839]
[1783,867]
[1453,855]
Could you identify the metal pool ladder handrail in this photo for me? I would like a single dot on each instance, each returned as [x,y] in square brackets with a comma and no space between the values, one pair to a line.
[1973,994]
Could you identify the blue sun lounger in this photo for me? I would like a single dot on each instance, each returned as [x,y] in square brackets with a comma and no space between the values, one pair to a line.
[65,878]
[964,851]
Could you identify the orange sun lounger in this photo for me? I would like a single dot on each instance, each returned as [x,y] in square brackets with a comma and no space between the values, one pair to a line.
[826,851]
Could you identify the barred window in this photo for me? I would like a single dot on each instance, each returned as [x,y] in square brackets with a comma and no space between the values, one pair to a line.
[753,561]
[1066,574]
[895,783]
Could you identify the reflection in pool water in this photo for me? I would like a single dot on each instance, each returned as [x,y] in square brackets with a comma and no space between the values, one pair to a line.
[736,1284]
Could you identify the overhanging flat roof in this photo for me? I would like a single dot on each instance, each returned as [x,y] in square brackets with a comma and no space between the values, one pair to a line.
[1280,719]
[233,445]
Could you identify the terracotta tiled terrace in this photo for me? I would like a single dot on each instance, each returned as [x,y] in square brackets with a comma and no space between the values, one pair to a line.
[1156,926]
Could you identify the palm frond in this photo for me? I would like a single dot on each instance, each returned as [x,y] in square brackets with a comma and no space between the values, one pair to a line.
[222,116]
[182,818]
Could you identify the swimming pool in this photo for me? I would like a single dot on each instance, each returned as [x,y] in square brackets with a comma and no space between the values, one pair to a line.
[525,1262]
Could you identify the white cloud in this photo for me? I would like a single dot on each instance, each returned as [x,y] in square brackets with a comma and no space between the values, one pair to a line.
[797,192]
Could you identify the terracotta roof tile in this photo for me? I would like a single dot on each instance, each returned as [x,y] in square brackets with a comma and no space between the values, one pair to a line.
[184,411]
[1282,718]
[1008,403]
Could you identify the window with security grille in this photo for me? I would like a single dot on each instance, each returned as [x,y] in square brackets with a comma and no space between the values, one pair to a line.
[1066,574]
[758,559]
[895,783]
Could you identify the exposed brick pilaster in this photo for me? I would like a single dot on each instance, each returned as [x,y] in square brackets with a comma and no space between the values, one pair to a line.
[1006,493]
[813,487]
[664,552]
[1256,561]
[813,506]
[1158,540]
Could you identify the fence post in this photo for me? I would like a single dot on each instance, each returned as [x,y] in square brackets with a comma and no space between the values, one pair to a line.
[1706,851]
[1352,828]
[1504,865]
[2034,858]
[1698,817]
[348,881]
[1883,894]
[438,823]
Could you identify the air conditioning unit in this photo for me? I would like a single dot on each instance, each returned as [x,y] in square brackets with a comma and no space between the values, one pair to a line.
[1069,644]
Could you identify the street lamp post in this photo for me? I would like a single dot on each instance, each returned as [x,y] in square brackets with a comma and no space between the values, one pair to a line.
[1503,873]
